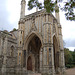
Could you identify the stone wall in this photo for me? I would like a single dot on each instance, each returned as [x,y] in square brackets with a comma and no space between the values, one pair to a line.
[1,63]
[11,65]
[7,62]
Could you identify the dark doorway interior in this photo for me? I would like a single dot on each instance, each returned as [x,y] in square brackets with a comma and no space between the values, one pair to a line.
[29,63]
[34,49]
[56,53]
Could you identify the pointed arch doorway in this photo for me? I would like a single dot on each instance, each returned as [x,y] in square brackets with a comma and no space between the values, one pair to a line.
[33,53]
[56,53]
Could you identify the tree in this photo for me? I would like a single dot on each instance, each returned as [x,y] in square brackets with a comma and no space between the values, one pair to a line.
[73,55]
[14,29]
[68,56]
[69,7]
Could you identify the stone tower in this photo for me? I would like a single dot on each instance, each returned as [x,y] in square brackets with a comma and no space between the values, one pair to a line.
[57,14]
[23,4]
[21,31]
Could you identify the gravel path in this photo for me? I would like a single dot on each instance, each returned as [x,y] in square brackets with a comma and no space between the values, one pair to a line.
[70,71]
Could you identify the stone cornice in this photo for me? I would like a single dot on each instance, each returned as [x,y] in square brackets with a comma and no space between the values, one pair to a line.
[47,45]
[47,23]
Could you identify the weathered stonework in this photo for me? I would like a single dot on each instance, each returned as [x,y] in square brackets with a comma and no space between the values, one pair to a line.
[8,52]
[36,47]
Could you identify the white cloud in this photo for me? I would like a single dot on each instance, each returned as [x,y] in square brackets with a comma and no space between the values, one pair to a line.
[68,27]
[13,7]
[68,30]
[71,48]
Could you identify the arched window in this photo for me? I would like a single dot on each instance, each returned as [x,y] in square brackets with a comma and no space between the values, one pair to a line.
[12,51]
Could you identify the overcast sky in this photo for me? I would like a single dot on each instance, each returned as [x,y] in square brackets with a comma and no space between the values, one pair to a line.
[10,14]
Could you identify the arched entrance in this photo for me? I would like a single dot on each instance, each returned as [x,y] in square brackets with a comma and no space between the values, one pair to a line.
[56,53]
[33,48]
[29,63]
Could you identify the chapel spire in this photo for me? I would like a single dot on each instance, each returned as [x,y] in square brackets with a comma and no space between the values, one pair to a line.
[57,13]
[23,4]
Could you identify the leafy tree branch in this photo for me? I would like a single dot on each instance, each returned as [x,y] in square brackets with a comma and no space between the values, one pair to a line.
[50,6]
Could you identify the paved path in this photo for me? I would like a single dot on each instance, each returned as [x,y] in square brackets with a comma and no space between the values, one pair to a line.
[70,71]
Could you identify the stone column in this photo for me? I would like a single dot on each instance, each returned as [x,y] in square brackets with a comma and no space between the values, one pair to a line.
[23,4]
[20,43]
[26,58]
[45,40]
[51,53]
[45,66]
[62,62]
[48,67]
[41,63]
[48,62]
[51,60]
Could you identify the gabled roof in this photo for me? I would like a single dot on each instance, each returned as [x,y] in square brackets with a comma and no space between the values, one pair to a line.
[6,33]
[41,12]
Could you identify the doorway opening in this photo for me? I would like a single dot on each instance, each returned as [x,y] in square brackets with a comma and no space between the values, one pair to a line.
[56,53]
[33,49]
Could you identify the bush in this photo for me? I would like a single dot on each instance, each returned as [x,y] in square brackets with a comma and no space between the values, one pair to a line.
[70,66]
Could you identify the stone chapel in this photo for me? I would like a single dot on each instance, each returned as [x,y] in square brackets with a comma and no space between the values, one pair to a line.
[35,48]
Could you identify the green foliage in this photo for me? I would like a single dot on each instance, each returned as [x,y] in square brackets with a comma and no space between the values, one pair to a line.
[51,5]
[73,54]
[69,58]
[14,29]
[69,8]
[34,3]
[69,65]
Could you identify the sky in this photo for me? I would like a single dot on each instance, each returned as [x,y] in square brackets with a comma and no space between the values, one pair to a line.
[10,15]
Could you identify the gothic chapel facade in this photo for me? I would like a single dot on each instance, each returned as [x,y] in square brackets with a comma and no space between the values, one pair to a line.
[39,43]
